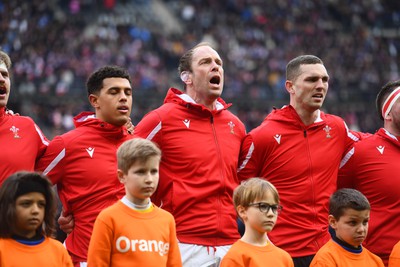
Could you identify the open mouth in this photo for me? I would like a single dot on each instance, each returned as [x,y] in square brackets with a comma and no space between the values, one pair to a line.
[215,80]
[318,95]
[3,91]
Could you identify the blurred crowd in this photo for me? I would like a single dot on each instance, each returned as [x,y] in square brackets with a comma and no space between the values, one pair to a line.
[56,44]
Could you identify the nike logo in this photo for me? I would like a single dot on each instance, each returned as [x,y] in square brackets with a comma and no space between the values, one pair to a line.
[380,149]
[90,151]
[186,122]
[278,138]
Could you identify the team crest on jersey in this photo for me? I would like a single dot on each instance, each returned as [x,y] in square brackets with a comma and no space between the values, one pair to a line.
[232,126]
[327,130]
[15,131]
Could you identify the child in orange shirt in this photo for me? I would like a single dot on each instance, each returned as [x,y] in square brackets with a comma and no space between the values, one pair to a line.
[348,216]
[133,231]
[27,221]
[257,204]
[394,258]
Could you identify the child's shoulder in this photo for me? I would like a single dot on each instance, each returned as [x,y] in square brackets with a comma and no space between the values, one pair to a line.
[111,212]
[163,213]
[57,245]
[333,253]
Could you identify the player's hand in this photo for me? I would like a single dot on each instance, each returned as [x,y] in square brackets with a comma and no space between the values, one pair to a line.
[9,111]
[130,128]
[66,222]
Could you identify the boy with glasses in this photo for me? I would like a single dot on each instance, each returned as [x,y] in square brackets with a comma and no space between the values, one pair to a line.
[257,204]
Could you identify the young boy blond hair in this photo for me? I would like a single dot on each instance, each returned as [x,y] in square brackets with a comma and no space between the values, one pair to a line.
[348,216]
[133,231]
[257,204]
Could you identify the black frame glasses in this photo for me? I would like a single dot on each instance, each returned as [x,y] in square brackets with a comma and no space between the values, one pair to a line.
[265,207]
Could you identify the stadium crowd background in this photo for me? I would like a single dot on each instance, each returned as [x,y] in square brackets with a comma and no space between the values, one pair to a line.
[56,44]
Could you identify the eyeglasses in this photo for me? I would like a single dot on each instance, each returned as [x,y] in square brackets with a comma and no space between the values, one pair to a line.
[264,207]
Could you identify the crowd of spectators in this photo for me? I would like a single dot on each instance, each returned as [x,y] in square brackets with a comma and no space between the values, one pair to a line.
[56,44]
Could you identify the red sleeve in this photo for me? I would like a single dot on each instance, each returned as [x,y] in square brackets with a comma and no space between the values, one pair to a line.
[360,135]
[44,142]
[150,127]
[346,171]
[248,161]
[51,163]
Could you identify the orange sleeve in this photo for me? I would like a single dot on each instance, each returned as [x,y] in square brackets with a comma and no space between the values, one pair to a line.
[99,253]
[394,259]
[174,255]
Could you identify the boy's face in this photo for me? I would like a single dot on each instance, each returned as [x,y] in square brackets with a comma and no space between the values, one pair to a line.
[30,209]
[256,221]
[141,181]
[352,226]
[113,103]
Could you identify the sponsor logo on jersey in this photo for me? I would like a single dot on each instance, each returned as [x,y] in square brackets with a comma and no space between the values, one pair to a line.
[187,123]
[90,151]
[124,244]
[380,149]
[278,138]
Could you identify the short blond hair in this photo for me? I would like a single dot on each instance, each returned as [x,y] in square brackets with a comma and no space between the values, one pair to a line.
[133,150]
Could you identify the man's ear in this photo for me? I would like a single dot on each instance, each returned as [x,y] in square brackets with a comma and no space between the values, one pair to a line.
[93,100]
[186,77]
[289,86]
[388,117]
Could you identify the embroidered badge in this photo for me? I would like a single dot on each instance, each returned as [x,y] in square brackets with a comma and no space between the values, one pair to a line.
[15,131]
[231,125]
[327,130]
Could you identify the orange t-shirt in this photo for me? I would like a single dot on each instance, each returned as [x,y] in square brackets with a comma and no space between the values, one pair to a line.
[242,254]
[125,237]
[394,258]
[49,253]
[332,254]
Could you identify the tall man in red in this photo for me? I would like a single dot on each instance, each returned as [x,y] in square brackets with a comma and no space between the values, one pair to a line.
[298,148]
[372,167]
[83,162]
[200,142]
[22,142]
